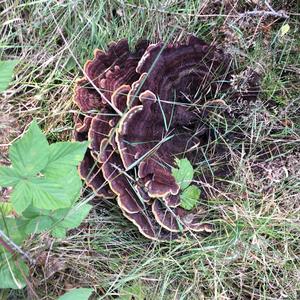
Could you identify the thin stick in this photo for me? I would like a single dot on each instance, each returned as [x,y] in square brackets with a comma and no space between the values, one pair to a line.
[12,247]
[262,13]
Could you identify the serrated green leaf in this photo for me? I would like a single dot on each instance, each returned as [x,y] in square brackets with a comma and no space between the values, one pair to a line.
[29,155]
[39,224]
[59,221]
[184,173]
[70,182]
[59,232]
[8,176]
[12,272]
[32,212]
[14,229]
[42,193]
[21,196]
[49,194]
[6,73]
[72,218]
[73,185]
[63,156]
[284,29]
[68,219]
[190,197]
[5,208]
[64,163]
[77,294]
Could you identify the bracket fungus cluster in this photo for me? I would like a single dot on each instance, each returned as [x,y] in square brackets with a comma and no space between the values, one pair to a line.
[140,110]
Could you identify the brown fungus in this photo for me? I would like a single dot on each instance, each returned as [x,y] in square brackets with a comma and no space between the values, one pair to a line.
[140,110]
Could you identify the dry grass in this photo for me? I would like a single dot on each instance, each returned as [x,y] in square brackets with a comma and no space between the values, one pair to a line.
[255,252]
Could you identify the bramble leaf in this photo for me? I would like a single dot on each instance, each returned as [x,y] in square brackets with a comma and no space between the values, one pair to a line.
[8,176]
[49,194]
[184,173]
[70,153]
[69,218]
[6,73]
[59,232]
[45,185]
[58,221]
[12,228]
[12,272]
[21,196]
[72,218]
[49,179]
[189,197]
[29,155]
[38,224]
[42,193]
[5,208]
[64,156]
[77,294]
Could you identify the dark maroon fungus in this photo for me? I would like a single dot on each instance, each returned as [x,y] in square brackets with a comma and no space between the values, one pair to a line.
[140,110]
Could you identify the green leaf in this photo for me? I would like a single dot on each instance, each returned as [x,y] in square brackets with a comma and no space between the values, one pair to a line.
[190,197]
[12,272]
[59,221]
[42,193]
[6,73]
[32,212]
[29,155]
[8,176]
[50,194]
[135,291]
[77,294]
[72,184]
[21,196]
[284,29]
[13,228]
[68,219]
[58,187]
[64,155]
[5,208]
[184,173]
[59,232]
[39,224]
[73,217]
[69,179]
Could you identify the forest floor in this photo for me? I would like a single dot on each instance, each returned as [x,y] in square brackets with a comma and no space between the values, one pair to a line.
[255,252]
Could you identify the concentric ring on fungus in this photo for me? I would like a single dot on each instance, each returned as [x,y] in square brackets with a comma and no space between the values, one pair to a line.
[157,88]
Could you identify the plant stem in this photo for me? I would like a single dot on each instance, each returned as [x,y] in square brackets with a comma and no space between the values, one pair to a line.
[12,247]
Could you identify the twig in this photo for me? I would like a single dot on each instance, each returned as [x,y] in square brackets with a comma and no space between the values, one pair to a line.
[12,247]
[6,246]
[262,13]
[269,6]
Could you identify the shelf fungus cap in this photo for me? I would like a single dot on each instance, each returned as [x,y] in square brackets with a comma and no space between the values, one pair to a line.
[118,181]
[90,171]
[178,219]
[140,110]
[148,228]
[185,69]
